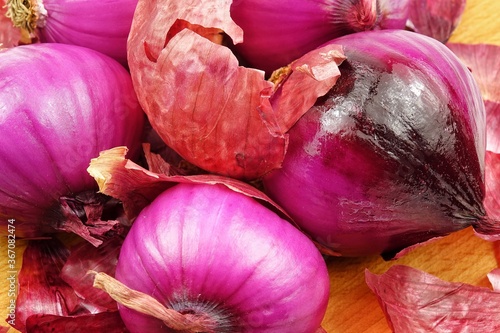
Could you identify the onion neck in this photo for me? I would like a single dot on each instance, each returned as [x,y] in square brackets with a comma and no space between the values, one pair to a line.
[90,214]
[185,320]
[27,15]
[353,15]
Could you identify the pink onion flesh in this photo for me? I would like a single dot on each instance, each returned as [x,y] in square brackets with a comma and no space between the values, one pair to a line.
[275,33]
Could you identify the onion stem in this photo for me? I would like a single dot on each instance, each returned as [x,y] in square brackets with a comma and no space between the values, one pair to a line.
[26,14]
[148,305]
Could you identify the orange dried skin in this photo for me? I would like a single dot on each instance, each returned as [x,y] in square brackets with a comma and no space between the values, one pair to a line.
[25,14]
[148,305]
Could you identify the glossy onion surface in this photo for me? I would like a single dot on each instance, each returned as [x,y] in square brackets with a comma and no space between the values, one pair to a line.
[393,155]
[60,105]
[207,249]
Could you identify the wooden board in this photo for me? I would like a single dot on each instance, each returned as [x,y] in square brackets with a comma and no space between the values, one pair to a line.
[460,257]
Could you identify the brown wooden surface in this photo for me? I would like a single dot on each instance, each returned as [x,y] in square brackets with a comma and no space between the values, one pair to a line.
[460,257]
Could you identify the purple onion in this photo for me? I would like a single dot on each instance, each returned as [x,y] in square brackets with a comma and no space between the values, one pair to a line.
[275,33]
[60,105]
[393,155]
[100,25]
[205,250]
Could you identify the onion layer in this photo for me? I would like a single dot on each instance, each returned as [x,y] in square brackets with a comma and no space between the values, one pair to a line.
[207,251]
[393,155]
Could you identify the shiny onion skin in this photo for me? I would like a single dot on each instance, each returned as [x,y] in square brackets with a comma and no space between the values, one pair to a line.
[60,105]
[205,249]
[275,33]
[393,155]
[101,25]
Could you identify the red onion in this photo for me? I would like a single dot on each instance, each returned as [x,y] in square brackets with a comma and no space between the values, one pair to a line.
[218,258]
[393,155]
[55,292]
[60,105]
[100,25]
[277,32]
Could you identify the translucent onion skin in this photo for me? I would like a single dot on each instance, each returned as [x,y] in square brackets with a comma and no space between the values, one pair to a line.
[60,105]
[393,155]
[205,249]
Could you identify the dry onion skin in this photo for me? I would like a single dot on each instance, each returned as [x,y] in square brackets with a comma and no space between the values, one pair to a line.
[217,114]
[415,301]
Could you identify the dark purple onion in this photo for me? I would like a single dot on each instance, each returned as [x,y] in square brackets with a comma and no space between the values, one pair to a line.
[393,155]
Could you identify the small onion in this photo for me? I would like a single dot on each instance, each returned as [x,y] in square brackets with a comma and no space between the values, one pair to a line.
[393,155]
[60,105]
[206,251]
[97,24]
[277,32]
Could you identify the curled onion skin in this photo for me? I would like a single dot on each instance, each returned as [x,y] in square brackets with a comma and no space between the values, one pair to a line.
[60,105]
[101,25]
[216,114]
[393,155]
[205,249]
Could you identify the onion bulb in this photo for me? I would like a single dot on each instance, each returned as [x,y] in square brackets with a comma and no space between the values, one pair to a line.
[207,256]
[102,25]
[393,155]
[60,105]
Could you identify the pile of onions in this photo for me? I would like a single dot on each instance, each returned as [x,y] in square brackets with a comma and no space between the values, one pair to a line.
[60,105]
[100,25]
[368,139]
[393,155]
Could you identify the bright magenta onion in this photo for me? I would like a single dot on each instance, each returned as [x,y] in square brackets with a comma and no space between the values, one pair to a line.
[102,25]
[393,155]
[60,105]
[277,32]
[219,259]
